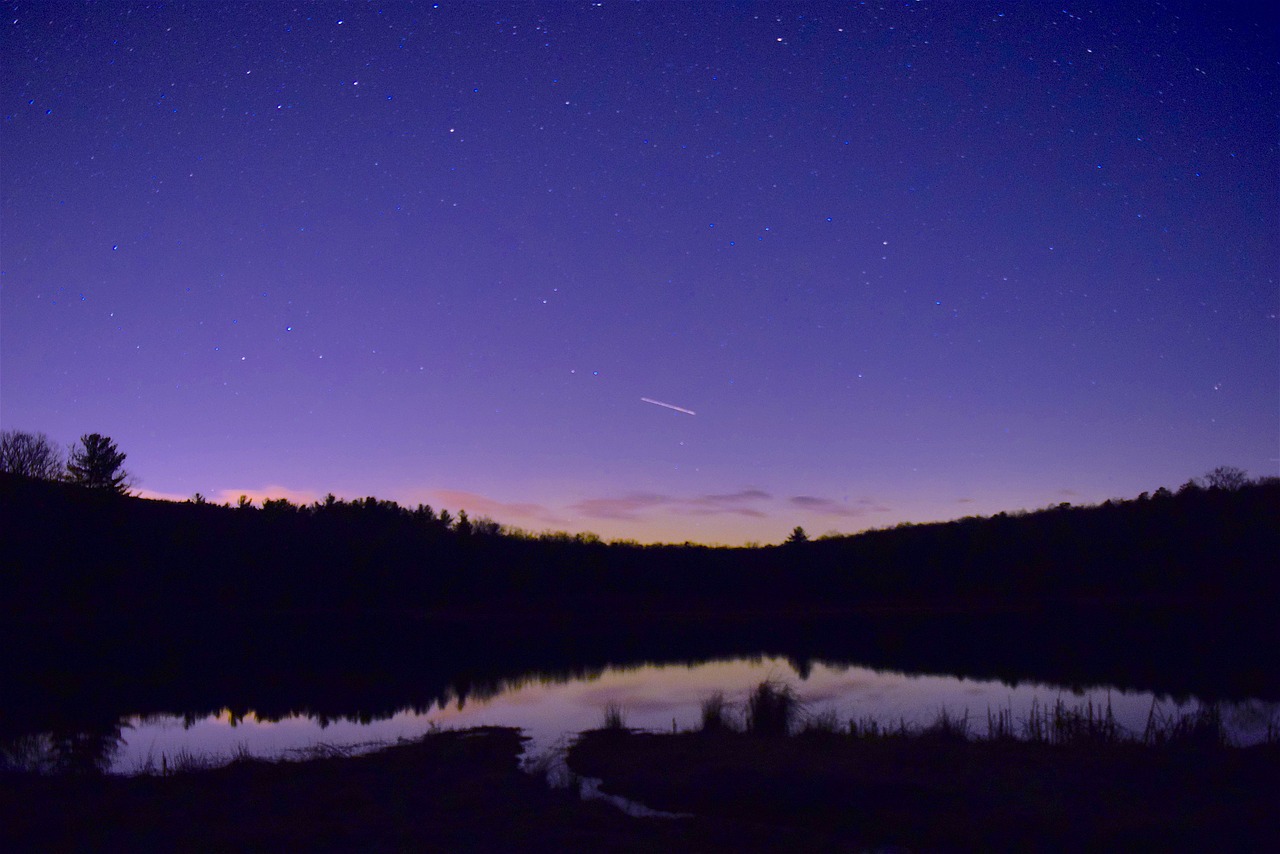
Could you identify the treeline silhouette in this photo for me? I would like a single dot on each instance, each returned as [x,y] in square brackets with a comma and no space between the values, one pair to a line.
[111,605]
[72,552]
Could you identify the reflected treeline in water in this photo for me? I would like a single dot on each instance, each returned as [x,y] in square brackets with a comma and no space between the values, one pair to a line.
[90,750]
[82,683]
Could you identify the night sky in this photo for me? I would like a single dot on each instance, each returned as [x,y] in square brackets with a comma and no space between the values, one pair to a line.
[898,261]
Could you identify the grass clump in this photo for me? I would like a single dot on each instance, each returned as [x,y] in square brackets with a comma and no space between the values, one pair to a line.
[615,718]
[1202,727]
[948,728]
[1085,725]
[772,709]
[866,728]
[1069,725]
[826,722]
[715,713]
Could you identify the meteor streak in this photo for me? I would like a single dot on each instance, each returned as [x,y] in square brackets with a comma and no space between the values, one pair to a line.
[668,406]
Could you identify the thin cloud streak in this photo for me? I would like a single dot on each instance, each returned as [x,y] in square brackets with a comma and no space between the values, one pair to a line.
[624,508]
[736,503]
[629,507]
[831,507]
[751,503]
[499,511]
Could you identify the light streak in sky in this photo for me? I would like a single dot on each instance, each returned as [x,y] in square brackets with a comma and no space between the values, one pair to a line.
[668,406]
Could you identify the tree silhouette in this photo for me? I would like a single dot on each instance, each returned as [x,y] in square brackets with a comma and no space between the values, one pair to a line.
[798,536]
[96,463]
[30,454]
[1226,477]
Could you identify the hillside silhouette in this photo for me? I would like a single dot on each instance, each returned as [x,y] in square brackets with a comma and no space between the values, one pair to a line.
[73,552]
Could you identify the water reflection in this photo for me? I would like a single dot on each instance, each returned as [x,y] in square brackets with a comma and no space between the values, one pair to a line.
[91,751]
[551,709]
[120,695]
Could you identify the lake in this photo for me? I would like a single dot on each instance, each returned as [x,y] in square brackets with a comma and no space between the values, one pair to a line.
[655,697]
[123,701]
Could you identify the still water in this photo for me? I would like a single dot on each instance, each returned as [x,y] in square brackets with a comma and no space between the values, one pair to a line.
[654,697]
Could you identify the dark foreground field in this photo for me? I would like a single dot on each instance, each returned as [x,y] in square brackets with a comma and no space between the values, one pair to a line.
[449,791]
[452,791]
[463,791]
[925,793]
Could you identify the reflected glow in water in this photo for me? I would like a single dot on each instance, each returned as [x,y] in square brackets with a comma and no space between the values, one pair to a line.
[655,698]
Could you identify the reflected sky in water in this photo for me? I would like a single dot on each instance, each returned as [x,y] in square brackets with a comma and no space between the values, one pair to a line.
[656,698]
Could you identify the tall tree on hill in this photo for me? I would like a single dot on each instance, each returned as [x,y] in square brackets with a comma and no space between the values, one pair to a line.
[96,462]
[798,535]
[30,455]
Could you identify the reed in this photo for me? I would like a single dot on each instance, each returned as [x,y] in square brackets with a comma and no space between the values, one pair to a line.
[1000,725]
[614,717]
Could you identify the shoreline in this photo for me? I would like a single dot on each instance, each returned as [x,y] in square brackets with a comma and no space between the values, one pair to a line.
[816,790]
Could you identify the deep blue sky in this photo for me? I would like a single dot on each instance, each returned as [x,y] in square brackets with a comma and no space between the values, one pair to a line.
[905,261]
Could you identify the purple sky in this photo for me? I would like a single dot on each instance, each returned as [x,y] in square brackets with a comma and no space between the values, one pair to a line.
[904,261]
